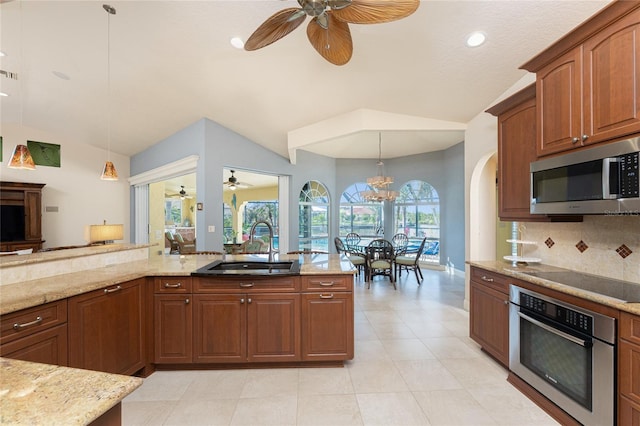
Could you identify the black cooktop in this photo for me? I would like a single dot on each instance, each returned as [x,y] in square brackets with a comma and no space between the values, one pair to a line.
[622,290]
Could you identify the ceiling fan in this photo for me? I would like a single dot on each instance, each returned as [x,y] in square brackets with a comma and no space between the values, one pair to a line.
[328,31]
[233,182]
[182,194]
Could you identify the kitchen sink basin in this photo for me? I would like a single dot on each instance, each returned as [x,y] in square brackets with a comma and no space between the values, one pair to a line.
[252,267]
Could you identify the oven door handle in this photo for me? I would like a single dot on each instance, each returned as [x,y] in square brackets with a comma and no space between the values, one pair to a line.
[576,340]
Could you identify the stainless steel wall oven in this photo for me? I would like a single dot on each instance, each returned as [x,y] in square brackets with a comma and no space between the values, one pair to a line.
[566,353]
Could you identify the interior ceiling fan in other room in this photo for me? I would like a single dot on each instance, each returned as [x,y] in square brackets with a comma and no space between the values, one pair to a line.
[182,194]
[328,31]
[234,183]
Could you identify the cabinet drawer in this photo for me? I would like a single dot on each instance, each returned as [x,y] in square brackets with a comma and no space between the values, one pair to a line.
[28,321]
[491,279]
[246,284]
[630,327]
[172,285]
[328,282]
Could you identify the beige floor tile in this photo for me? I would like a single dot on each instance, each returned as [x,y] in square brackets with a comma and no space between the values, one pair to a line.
[324,381]
[364,331]
[217,384]
[476,372]
[449,347]
[393,330]
[453,408]
[389,409]
[508,406]
[376,376]
[277,382]
[323,410]
[401,349]
[370,350]
[268,411]
[189,412]
[163,386]
[146,413]
[382,317]
[427,374]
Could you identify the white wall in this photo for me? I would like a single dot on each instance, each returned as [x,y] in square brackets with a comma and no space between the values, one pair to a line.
[74,187]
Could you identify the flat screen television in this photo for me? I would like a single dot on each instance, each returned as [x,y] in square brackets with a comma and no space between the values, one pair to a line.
[11,223]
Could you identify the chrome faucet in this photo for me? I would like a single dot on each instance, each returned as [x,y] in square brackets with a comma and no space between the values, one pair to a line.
[253,229]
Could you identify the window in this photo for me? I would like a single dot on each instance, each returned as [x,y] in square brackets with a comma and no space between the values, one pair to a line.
[255,211]
[359,215]
[227,224]
[173,212]
[417,214]
[313,217]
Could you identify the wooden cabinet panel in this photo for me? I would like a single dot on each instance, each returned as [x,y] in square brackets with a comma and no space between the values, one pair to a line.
[22,323]
[559,100]
[327,326]
[173,331]
[630,327]
[628,412]
[489,320]
[327,283]
[33,215]
[242,284]
[273,327]
[48,346]
[29,197]
[612,81]
[172,285]
[629,371]
[219,328]
[105,329]
[490,279]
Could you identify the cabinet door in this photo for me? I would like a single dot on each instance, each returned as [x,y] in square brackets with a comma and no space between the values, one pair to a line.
[629,371]
[273,332]
[559,103]
[612,81]
[48,347]
[219,328]
[516,149]
[489,321]
[628,412]
[105,329]
[173,340]
[327,326]
[33,215]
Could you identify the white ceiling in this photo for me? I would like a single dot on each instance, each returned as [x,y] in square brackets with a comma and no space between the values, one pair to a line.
[172,64]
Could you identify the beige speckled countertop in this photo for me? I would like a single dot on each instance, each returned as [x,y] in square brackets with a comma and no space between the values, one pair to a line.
[518,272]
[21,295]
[30,393]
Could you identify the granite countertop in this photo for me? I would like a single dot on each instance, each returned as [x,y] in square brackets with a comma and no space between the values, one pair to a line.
[519,272]
[66,254]
[33,393]
[21,295]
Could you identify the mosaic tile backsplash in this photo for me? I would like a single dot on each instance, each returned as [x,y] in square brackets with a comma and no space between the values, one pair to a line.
[601,245]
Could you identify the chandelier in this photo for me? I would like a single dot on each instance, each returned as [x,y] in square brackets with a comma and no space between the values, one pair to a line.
[380,183]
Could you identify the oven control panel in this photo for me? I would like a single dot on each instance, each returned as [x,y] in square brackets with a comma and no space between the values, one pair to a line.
[565,316]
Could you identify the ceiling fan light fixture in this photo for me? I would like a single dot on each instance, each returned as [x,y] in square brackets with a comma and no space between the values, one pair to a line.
[313,7]
[237,42]
[475,39]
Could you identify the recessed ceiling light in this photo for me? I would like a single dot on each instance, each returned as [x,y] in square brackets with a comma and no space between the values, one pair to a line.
[3,94]
[476,38]
[237,42]
[61,75]
[2,53]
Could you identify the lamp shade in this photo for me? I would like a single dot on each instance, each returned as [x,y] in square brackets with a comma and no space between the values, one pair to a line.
[21,159]
[109,172]
[105,233]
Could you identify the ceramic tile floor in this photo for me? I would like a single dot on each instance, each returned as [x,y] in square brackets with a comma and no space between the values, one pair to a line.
[414,365]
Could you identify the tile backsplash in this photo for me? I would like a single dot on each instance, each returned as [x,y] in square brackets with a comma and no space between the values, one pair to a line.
[601,245]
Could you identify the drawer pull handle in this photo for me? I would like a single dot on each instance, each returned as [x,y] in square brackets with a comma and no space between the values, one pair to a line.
[327,284]
[245,285]
[326,296]
[17,326]
[484,278]
[112,290]
[167,285]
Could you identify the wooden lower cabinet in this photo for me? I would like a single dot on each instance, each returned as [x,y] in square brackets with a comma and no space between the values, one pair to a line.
[327,326]
[106,329]
[173,331]
[37,334]
[246,327]
[628,412]
[629,370]
[489,321]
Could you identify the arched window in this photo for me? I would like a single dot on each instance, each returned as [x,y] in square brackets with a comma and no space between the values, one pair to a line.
[359,215]
[417,214]
[313,217]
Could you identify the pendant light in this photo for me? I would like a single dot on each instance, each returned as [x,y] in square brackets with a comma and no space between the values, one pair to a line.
[109,171]
[21,157]
[380,182]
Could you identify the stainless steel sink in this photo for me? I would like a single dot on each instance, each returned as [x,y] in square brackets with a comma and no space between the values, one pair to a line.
[252,267]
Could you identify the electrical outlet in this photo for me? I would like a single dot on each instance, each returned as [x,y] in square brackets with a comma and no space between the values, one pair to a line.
[212,228]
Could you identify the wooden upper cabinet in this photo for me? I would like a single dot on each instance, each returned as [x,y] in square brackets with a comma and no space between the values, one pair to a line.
[612,81]
[588,82]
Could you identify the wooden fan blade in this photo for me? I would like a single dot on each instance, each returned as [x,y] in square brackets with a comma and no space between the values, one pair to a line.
[275,27]
[334,44]
[376,11]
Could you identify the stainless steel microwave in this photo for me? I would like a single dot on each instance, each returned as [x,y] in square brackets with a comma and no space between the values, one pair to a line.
[599,180]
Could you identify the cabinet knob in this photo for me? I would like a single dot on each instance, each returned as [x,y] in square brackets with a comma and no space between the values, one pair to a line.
[241,300]
[186,301]
[506,302]
[249,300]
[585,137]
[575,140]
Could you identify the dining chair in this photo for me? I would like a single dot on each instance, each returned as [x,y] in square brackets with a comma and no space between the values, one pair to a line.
[380,260]
[400,242]
[410,261]
[357,259]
